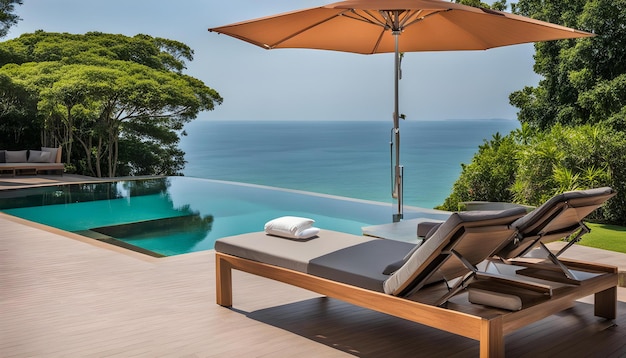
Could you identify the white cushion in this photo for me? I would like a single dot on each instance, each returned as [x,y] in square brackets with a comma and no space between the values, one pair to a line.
[292,227]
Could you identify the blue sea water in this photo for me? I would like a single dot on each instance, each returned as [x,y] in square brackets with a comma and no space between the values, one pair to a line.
[350,159]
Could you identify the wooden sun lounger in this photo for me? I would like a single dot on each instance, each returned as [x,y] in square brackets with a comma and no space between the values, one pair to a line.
[286,261]
[487,325]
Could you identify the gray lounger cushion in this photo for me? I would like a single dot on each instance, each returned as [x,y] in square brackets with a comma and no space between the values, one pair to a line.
[360,265]
[427,227]
[288,253]
[549,222]
[538,216]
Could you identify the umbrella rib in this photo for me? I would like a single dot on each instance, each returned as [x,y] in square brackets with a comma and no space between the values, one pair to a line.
[380,38]
[408,16]
[269,47]
[422,18]
[389,19]
[371,20]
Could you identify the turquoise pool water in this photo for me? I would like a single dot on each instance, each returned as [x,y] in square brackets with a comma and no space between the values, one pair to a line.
[176,215]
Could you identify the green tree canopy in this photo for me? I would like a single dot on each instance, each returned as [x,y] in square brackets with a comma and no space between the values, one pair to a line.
[118,102]
[584,80]
[7,15]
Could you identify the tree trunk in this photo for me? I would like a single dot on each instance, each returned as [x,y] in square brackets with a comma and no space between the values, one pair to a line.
[87,148]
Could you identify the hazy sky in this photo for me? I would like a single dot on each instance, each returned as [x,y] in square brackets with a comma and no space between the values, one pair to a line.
[289,84]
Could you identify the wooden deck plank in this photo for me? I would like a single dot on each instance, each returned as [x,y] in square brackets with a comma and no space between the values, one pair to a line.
[60,296]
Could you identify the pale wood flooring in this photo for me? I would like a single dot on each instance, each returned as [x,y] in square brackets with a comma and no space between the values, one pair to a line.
[64,296]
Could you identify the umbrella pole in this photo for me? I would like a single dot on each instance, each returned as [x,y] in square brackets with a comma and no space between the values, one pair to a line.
[397,192]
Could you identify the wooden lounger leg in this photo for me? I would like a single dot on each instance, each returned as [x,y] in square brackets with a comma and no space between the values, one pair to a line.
[223,281]
[605,303]
[491,338]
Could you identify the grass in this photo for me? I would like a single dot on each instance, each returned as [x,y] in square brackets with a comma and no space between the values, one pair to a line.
[607,237]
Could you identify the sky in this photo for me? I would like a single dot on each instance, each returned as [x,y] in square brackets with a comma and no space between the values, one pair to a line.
[299,84]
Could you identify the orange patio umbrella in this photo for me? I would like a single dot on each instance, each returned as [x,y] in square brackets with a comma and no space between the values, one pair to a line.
[376,26]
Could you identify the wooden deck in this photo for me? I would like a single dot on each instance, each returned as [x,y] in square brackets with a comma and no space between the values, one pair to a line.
[63,295]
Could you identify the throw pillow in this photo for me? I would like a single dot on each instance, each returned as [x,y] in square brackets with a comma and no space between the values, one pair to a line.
[36,156]
[15,156]
[53,153]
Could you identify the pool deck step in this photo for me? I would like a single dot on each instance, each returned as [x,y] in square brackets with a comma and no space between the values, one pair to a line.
[93,234]
[113,241]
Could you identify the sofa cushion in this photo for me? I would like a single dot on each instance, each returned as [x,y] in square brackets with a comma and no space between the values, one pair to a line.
[16,156]
[37,156]
[53,153]
[2,157]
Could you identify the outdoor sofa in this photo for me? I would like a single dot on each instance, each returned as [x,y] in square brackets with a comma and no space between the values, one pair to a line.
[449,281]
[31,162]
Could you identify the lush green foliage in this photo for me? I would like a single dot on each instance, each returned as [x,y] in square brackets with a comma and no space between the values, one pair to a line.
[573,158]
[117,104]
[7,16]
[529,167]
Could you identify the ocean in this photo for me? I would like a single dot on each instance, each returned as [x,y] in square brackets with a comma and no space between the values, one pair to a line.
[350,159]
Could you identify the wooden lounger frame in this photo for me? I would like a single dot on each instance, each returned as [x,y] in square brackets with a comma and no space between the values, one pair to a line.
[483,325]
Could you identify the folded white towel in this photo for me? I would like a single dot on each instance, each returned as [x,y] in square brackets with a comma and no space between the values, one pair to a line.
[293,227]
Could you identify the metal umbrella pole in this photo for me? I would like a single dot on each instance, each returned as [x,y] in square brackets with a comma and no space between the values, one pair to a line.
[397,192]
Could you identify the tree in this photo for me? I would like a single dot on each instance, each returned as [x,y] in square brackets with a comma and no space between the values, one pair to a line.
[7,17]
[583,80]
[18,112]
[108,98]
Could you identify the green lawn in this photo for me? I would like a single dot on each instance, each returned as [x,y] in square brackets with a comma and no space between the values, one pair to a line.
[607,237]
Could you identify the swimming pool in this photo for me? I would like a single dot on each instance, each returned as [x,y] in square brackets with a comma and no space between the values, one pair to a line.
[176,215]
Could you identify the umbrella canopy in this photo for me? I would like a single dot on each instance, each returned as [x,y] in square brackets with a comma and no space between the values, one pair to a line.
[375,26]
[366,27]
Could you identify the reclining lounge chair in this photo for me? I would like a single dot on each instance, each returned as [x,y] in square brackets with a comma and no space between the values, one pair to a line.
[362,271]
[558,218]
